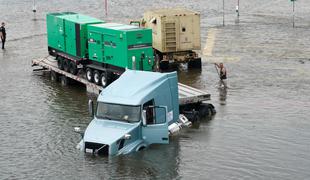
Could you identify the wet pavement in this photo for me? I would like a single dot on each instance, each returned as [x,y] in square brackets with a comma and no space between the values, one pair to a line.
[260,131]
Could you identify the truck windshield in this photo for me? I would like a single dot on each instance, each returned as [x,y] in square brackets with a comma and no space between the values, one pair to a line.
[118,112]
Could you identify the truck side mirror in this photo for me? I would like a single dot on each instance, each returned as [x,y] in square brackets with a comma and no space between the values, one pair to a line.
[91,107]
[144,117]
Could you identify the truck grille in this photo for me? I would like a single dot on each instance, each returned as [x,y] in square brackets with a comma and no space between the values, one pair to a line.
[97,148]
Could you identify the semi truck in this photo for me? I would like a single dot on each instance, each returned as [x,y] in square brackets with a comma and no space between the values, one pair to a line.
[176,36]
[102,50]
[138,109]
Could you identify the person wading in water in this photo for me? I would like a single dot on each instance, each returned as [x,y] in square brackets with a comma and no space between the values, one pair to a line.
[2,34]
[222,74]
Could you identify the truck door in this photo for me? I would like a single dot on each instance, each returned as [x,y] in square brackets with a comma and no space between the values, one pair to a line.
[156,130]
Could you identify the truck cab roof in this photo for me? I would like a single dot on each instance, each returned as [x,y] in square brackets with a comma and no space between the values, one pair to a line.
[134,87]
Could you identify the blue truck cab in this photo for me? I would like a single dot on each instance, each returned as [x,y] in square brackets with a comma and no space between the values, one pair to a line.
[132,113]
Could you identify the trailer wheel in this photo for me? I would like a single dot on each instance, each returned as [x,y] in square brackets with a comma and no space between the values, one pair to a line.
[194,63]
[66,65]
[97,77]
[104,79]
[73,68]
[64,80]
[60,62]
[54,76]
[89,75]
[164,65]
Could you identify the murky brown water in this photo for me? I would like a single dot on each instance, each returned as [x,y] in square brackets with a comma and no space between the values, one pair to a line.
[260,131]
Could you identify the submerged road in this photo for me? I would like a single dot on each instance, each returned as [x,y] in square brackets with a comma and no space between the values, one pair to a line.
[260,131]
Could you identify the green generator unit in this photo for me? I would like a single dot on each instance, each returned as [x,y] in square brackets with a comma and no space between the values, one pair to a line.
[122,46]
[67,37]
[100,50]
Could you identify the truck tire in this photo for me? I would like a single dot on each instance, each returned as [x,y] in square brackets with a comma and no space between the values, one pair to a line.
[206,109]
[192,116]
[89,75]
[104,80]
[66,65]
[60,63]
[97,77]
[195,63]
[73,68]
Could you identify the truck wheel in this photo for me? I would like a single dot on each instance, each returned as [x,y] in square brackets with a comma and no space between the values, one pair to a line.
[66,65]
[206,109]
[192,116]
[195,63]
[89,75]
[73,68]
[60,62]
[213,111]
[141,148]
[97,77]
[104,79]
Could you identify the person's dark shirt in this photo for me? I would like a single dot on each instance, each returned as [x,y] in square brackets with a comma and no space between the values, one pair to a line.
[223,74]
[2,29]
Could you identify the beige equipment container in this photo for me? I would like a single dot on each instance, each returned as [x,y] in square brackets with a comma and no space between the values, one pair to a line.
[176,33]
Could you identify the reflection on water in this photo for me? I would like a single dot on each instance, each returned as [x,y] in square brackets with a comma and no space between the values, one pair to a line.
[222,96]
[260,131]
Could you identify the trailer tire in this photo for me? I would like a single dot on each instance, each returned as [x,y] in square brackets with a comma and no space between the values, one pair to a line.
[194,63]
[64,80]
[54,76]
[66,65]
[104,79]
[97,77]
[89,75]
[60,62]
[73,68]
[164,65]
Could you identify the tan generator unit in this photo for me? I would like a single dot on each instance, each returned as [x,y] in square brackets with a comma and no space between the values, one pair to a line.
[176,33]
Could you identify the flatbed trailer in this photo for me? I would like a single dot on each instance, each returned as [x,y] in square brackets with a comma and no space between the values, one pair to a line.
[190,99]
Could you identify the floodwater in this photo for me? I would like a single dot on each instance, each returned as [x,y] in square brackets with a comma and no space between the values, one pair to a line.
[260,131]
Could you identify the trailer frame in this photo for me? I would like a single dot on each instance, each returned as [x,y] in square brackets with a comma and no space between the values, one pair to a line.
[189,97]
